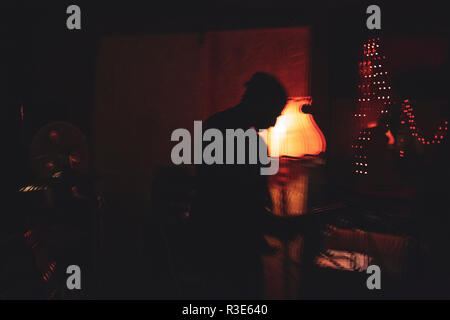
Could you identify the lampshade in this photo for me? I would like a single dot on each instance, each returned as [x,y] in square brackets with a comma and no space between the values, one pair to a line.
[295,133]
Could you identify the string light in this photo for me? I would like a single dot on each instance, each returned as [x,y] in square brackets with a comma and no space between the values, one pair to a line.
[361,163]
[374,98]
[408,121]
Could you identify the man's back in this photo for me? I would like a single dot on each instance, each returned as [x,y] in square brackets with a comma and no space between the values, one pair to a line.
[231,196]
[229,211]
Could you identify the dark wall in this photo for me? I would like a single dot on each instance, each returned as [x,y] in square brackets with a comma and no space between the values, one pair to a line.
[49,72]
[51,69]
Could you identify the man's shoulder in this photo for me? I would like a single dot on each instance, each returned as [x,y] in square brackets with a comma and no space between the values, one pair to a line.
[220,120]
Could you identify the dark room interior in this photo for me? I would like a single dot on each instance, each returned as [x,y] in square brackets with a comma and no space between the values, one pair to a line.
[361,143]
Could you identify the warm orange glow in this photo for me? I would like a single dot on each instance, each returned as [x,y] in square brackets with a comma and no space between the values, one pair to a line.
[391,139]
[372,124]
[289,196]
[295,133]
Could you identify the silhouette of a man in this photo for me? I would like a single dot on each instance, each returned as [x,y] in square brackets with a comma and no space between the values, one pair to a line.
[232,198]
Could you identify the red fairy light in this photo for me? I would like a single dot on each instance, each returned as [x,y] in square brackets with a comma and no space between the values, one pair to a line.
[408,110]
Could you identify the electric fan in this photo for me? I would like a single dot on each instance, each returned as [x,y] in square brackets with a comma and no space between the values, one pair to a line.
[56,148]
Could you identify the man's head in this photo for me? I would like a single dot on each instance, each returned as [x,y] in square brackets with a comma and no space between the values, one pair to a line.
[263,100]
